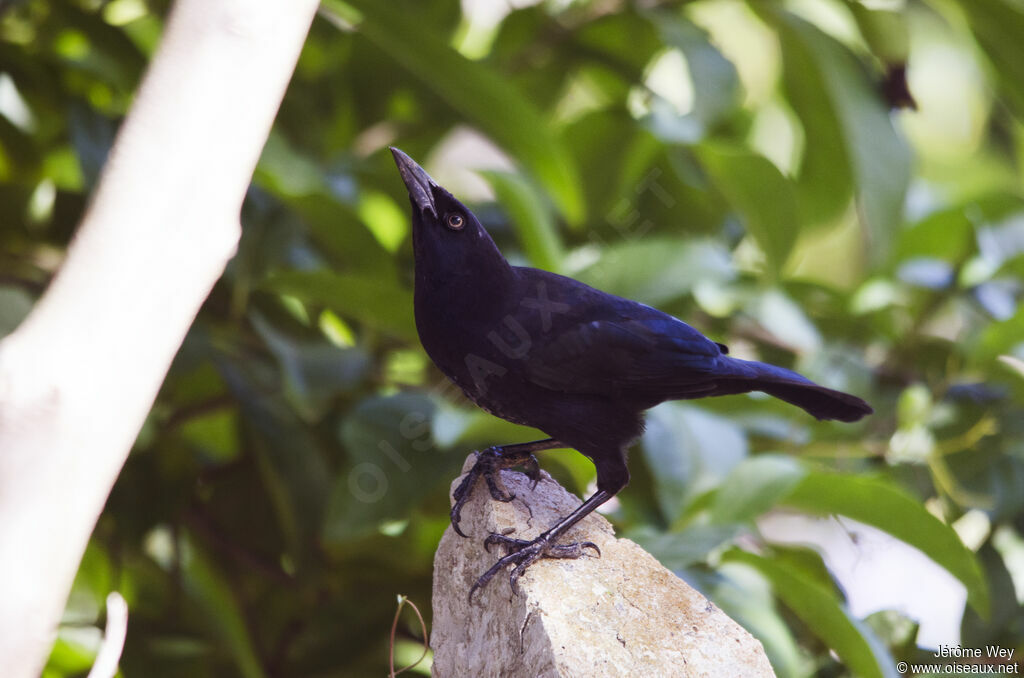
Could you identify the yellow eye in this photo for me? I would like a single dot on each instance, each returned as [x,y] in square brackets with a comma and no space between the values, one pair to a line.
[455,221]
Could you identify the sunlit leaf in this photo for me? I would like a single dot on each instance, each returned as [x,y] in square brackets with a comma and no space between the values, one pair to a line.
[762,195]
[287,171]
[215,435]
[678,550]
[745,595]
[998,25]
[627,40]
[338,230]
[388,223]
[784,319]
[614,151]
[315,371]
[483,97]
[999,338]
[824,616]
[656,270]
[950,234]
[368,299]
[715,82]
[884,30]
[688,450]
[107,53]
[73,654]
[755,486]
[888,507]
[850,142]
[534,222]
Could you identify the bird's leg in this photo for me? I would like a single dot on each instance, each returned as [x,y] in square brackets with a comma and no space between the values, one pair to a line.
[492,460]
[522,553]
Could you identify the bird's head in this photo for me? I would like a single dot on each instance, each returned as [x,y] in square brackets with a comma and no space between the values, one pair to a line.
[446,234]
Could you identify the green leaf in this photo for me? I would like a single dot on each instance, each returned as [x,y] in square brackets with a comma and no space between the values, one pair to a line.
[998,25]
[716,84]
[212,592]
[292,465]
[389,224]
[678,550]
[374,301]
[287,172]
[658,269]
[1007,614]
[947,234]
[884,30]
[337,229]
[824,616]
[532,218]
[94,580]
[745,595]
[755,486]
[215,435]
[850,142]
[888,507]
[15,305]
[625,41]
[109,55]
[999,338]
[807,564]
[951,234]
[785,319]
[393,463]
[689,450]
[759,191]
[605,142]
[73,653]
[483,97]
[314,371]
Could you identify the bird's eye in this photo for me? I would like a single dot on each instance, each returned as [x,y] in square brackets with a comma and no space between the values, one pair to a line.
[455,221]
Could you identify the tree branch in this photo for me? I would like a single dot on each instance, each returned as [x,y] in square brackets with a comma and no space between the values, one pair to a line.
[79,376]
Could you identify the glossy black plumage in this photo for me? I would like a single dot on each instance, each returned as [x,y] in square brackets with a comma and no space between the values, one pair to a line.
[547,351]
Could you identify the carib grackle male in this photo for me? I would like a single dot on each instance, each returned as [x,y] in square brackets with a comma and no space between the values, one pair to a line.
[547,351]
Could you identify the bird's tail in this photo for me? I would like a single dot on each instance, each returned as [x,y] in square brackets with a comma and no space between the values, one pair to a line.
[820,402]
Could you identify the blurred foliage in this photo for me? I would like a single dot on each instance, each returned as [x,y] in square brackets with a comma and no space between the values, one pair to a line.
[738,164]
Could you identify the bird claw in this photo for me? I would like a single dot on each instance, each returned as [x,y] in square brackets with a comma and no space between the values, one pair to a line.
[522,553]
[531,467]
[461,496]
[496,492]
[488,464]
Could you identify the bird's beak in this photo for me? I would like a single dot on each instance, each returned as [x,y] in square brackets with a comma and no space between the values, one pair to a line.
[417,182]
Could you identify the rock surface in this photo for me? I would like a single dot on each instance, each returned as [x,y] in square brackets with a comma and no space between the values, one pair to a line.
[622,614]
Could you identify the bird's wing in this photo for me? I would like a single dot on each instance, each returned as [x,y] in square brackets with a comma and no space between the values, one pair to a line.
[647,355]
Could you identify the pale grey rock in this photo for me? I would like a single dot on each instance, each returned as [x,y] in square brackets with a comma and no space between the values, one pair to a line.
[622,614]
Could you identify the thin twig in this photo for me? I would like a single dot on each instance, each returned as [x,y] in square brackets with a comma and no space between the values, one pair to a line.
[402,601]
[113,638]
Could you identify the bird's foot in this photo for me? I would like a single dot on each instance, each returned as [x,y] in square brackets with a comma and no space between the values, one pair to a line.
[521,554]
[488,464]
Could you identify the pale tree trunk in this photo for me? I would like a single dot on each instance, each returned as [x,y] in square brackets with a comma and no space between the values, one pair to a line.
[79,376]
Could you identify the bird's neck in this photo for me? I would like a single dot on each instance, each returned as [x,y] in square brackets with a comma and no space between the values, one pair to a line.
[459,298]
[474,270]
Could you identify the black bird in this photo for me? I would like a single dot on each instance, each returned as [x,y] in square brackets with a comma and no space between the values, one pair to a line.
[547,351]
